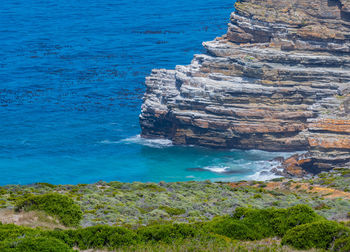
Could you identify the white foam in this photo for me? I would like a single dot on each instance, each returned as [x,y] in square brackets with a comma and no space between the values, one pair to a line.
[262,177]
[268,154]
[217,169]
[109,142]
[154,143]
[262,169]
[264,172]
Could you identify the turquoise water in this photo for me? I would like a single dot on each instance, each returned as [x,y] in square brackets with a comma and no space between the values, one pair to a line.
[71,85]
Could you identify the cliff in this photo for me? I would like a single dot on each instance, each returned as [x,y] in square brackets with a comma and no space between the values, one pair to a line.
[278,80]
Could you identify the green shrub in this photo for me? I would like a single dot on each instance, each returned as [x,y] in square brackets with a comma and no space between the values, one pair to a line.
[101,237]
[232,228]
[11,231]
[257,196]
[173,211]
[116,184]
[168,232]
[34,244]
[255,224]
[67,236]
[342,244]
[315,235]
[205,243]
[46,184]
[19,238]
[67,211]
[322,206]
[285,219]
[258,220]
[151,187]
[277,179]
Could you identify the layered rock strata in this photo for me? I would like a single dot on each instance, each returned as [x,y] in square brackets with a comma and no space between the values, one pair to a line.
[278,80]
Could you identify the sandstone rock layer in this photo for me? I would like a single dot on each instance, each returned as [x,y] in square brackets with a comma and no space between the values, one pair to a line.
[278,80]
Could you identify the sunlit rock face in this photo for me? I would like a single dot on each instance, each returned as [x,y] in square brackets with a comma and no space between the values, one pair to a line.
[278,80]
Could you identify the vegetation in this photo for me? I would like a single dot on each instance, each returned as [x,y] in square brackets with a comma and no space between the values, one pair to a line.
[315,235]
[67,211]
[298,226]
[342,244]
[337,179]
[100,237]
[279,215]
[34,244]
[137,204]
[256,224]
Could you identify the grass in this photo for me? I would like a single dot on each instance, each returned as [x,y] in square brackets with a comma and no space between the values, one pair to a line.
[30,219]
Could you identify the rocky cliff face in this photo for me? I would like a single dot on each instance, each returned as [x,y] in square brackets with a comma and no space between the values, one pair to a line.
[279,80]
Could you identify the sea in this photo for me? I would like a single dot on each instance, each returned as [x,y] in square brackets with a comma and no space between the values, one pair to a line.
[71,86]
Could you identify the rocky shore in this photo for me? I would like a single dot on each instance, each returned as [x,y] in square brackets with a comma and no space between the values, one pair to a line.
[278,80]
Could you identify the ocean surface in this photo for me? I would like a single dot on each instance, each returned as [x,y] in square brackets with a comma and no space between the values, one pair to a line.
[71,85]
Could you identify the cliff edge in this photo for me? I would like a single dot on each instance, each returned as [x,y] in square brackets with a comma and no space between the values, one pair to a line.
[278,80]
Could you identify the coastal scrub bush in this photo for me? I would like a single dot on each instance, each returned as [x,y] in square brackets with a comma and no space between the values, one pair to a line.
[203,243]
[272,221]
[45,184]
[11,231]
[315,235]
[173,211]
[232,228]
[151,187]
[34,244]
[257,196]
[101,236]
[168,232]
[25,239]
[116,184]
[256,224]
[67,236]
[61,206]
[342,244]
[285,219]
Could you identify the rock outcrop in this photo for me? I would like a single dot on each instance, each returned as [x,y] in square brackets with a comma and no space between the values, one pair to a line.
[278,80]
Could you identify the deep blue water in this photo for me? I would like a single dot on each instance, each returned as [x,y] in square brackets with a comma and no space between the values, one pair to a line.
[71,86]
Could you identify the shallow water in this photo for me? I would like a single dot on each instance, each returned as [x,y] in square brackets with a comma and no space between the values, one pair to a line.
[71,83]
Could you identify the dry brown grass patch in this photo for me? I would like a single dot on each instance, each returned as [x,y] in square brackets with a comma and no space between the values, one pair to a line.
[31,219]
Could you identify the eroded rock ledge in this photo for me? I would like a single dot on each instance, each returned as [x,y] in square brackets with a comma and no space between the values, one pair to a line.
[278,80]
